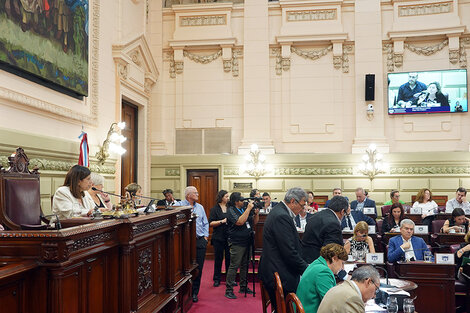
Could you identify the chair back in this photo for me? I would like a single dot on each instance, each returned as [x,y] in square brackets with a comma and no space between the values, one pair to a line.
[293,304]
[437,225]
[280,301]
[20,197]
[385,210]
[379,223]
[265,300]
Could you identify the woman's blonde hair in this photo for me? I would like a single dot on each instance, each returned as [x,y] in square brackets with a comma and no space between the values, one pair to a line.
[362,227]
[420,195]
[333,249]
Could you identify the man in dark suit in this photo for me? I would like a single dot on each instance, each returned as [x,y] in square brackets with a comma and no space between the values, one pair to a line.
[362,202]
[323,228]
[281,245]
[351,218]
[336,192]
[169,198]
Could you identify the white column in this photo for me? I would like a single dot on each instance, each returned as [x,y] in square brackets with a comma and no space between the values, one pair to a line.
[368,60]
[256,97]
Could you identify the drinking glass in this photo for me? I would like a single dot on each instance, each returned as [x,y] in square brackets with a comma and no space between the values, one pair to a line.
[427,256]
[408,305]
[392,305]
[354,254]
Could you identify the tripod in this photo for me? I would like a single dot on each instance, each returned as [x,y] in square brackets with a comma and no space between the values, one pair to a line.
[251,248]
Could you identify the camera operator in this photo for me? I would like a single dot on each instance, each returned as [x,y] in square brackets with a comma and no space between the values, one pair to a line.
[242,216]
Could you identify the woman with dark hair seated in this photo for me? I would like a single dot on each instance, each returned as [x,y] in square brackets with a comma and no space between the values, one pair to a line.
[218,221]
[457,223]
[71,200]
[432,97]
[391,222]
[319,277]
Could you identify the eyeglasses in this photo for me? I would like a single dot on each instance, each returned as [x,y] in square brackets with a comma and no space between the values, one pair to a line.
[361,236]
[376,287]
[299,203]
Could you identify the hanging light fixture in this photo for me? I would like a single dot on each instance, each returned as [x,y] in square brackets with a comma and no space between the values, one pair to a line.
[372,164]
[255,163]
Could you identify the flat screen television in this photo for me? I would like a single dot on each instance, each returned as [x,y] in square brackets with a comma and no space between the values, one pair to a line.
[427,92]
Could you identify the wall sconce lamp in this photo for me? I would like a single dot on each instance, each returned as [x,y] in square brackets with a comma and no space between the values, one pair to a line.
[372,162]
[255,163]
[113,142]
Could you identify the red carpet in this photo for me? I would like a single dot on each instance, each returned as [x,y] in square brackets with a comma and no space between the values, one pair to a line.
[212,299]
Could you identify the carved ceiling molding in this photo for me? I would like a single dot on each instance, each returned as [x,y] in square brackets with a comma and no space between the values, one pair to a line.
[135,65]
[340,57]
[91,118]
[296,171]
[425,9]
[311,15]
[230,59]
[430,170]
[394,52]
[203,20]
[427,50]
[60,166]
[464,42]
[172,172]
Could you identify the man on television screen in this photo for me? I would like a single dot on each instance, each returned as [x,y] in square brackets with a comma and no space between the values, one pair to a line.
[409,90]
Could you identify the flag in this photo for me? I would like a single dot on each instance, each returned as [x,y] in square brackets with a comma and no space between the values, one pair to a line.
[83,158]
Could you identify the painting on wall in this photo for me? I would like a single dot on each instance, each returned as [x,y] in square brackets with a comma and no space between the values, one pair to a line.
[47,39]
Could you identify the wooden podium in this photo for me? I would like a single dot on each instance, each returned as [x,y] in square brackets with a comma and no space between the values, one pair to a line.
[436,285]
[139,264]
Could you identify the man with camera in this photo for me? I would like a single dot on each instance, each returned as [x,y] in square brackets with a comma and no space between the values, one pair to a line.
[242,217]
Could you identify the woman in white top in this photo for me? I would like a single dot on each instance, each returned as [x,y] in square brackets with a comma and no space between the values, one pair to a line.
[100,199]
[71,200]
[427,205]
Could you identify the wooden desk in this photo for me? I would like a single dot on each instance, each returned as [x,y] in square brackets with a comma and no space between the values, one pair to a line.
[436,285]
[140,264]
[416,218]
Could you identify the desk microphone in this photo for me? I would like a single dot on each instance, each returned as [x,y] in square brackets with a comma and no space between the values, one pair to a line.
[385,271]
[106,192]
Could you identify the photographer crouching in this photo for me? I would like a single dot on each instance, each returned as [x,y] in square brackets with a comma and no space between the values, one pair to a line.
[242,216]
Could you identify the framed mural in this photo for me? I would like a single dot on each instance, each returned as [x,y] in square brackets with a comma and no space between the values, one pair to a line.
[46,39]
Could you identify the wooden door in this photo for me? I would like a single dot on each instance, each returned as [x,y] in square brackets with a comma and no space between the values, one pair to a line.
[129,159]
[207,184]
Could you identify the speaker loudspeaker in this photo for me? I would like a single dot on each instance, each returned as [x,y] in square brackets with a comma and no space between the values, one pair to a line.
[370,87]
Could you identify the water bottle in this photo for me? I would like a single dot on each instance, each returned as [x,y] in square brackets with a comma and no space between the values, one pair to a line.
[408,306]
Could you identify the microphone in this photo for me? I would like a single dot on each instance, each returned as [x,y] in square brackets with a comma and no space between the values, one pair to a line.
[106,192]
[385,271]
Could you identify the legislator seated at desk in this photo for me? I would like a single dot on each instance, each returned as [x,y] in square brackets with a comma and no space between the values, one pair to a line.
[360,243]
[351,218]
[406,246]
[351,295]
[169,198]
[71,200]
[391,222]
[363,202]
[319,277]
[457,223]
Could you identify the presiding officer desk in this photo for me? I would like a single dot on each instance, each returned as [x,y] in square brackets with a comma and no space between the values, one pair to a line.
[436,285]
[137,264]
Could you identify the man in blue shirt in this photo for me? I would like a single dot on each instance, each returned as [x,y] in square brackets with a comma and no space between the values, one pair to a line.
[202,233]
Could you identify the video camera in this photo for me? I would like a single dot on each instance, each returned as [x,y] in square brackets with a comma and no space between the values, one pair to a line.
[258,202]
